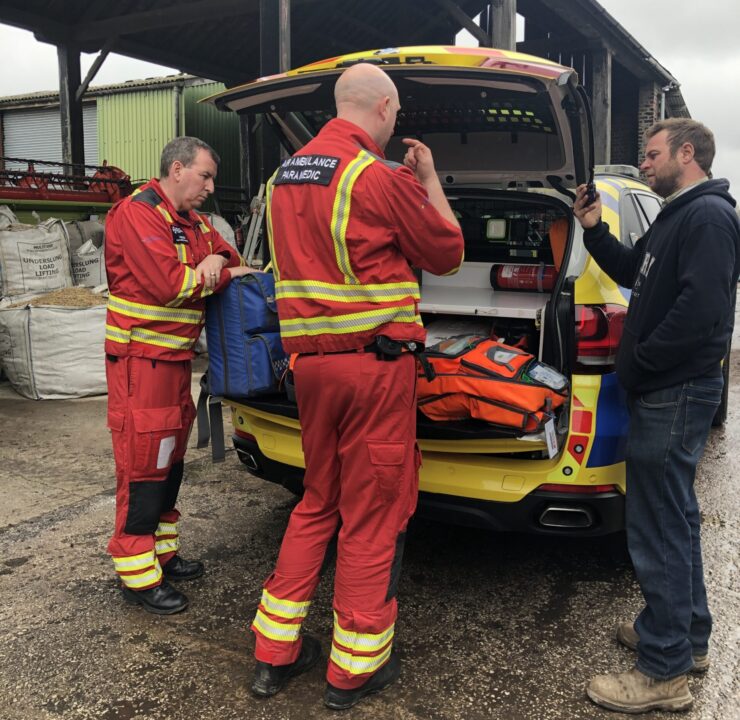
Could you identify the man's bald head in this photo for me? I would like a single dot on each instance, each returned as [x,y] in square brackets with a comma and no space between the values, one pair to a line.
[361,86]
[367,97]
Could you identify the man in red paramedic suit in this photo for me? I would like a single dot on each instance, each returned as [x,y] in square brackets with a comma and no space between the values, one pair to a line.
[162,261]
[345,228]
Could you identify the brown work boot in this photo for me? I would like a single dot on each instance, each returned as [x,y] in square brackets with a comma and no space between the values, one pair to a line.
[627,636]
[635,692]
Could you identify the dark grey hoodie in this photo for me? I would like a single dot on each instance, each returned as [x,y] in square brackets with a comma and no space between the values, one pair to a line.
[683,273]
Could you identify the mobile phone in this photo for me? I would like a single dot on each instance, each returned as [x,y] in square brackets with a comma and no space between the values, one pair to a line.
[591,190]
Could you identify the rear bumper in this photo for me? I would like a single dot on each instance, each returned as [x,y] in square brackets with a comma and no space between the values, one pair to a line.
[544,513]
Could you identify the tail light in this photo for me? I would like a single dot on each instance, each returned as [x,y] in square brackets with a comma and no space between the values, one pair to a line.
[598,332]
[578,489]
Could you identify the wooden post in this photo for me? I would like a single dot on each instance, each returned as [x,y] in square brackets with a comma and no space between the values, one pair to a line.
[503,24]
[601,102]
[73,138]
[274,58]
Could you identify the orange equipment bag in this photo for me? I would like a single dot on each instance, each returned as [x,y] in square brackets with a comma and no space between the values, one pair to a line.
[476,377]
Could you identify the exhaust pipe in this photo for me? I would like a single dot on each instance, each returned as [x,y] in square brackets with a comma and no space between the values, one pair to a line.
[249,460]
[566,517]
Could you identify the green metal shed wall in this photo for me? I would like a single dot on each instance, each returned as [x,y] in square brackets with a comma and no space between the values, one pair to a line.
[219,129]
[133,127]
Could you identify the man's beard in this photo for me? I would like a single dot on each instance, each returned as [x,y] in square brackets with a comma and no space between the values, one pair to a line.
[667,183]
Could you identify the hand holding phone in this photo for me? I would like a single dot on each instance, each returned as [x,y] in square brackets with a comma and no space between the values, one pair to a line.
[590,190]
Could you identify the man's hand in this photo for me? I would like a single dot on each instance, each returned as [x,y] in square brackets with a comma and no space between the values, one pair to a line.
[588,215]
[239,271]
[419,160]
[209,270]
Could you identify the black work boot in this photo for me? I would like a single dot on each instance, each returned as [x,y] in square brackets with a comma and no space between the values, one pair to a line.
[338,699]
[179,569]
[270,679]
[160,600]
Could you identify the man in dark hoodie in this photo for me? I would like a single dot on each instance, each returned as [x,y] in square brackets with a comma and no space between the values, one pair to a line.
[683,274]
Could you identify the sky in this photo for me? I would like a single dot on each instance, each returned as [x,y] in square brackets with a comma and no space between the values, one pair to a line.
[695,41]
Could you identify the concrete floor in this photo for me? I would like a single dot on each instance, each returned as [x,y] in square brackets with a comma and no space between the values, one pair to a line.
[507,627]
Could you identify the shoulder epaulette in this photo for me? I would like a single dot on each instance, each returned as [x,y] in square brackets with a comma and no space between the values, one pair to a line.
[388,163]
[148,196]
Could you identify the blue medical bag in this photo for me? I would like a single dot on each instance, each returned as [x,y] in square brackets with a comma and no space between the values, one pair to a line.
[245,355]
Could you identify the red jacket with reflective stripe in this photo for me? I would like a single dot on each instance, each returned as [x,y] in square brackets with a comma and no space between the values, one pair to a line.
[156,308]
[345,227]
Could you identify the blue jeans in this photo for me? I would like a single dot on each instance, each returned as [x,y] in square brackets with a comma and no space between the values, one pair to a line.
[668,431]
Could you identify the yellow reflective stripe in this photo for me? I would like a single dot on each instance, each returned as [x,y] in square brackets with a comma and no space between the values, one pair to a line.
[359,664]
[162,547]
[284,608]
[150,337]
[117,334]
[349,323]
[274,630]
[151,577]
[268,214]
[154,312]
[364,642]
[341,212]
[166,214]
[189,283]
[452,272]
[134,562]
[317,289]
[182,254]
[206,292]
[166,529]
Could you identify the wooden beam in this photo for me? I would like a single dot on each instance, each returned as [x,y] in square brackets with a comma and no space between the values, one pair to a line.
[93,71]
[70,108]
[273,54]
[601,105]
[284,34]
[503,24]
[465,21]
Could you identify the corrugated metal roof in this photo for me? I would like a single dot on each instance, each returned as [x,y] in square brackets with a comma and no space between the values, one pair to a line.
[49,97]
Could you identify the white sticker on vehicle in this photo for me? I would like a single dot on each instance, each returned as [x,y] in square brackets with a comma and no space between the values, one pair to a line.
[550,437]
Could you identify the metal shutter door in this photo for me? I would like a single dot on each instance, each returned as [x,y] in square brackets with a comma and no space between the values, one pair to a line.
[37,135]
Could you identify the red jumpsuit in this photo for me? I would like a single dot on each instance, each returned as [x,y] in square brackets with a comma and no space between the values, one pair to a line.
[345,227]
[155,315]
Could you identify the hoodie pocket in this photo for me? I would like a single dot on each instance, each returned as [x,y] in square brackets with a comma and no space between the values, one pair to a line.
[626,364]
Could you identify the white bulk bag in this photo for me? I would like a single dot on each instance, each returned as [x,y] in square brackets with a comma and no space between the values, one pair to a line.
[80,231]
[34,258]
[88,265]
[50,352]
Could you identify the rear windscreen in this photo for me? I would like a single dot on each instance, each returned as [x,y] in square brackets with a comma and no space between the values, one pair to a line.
[467,126]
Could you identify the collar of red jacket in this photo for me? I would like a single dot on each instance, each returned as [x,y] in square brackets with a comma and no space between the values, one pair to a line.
[349,130]
[188,218]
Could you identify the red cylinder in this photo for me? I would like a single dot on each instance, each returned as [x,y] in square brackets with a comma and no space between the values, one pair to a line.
[535,278]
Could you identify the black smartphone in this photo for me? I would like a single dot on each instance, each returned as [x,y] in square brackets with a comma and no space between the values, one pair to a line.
[591,190]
